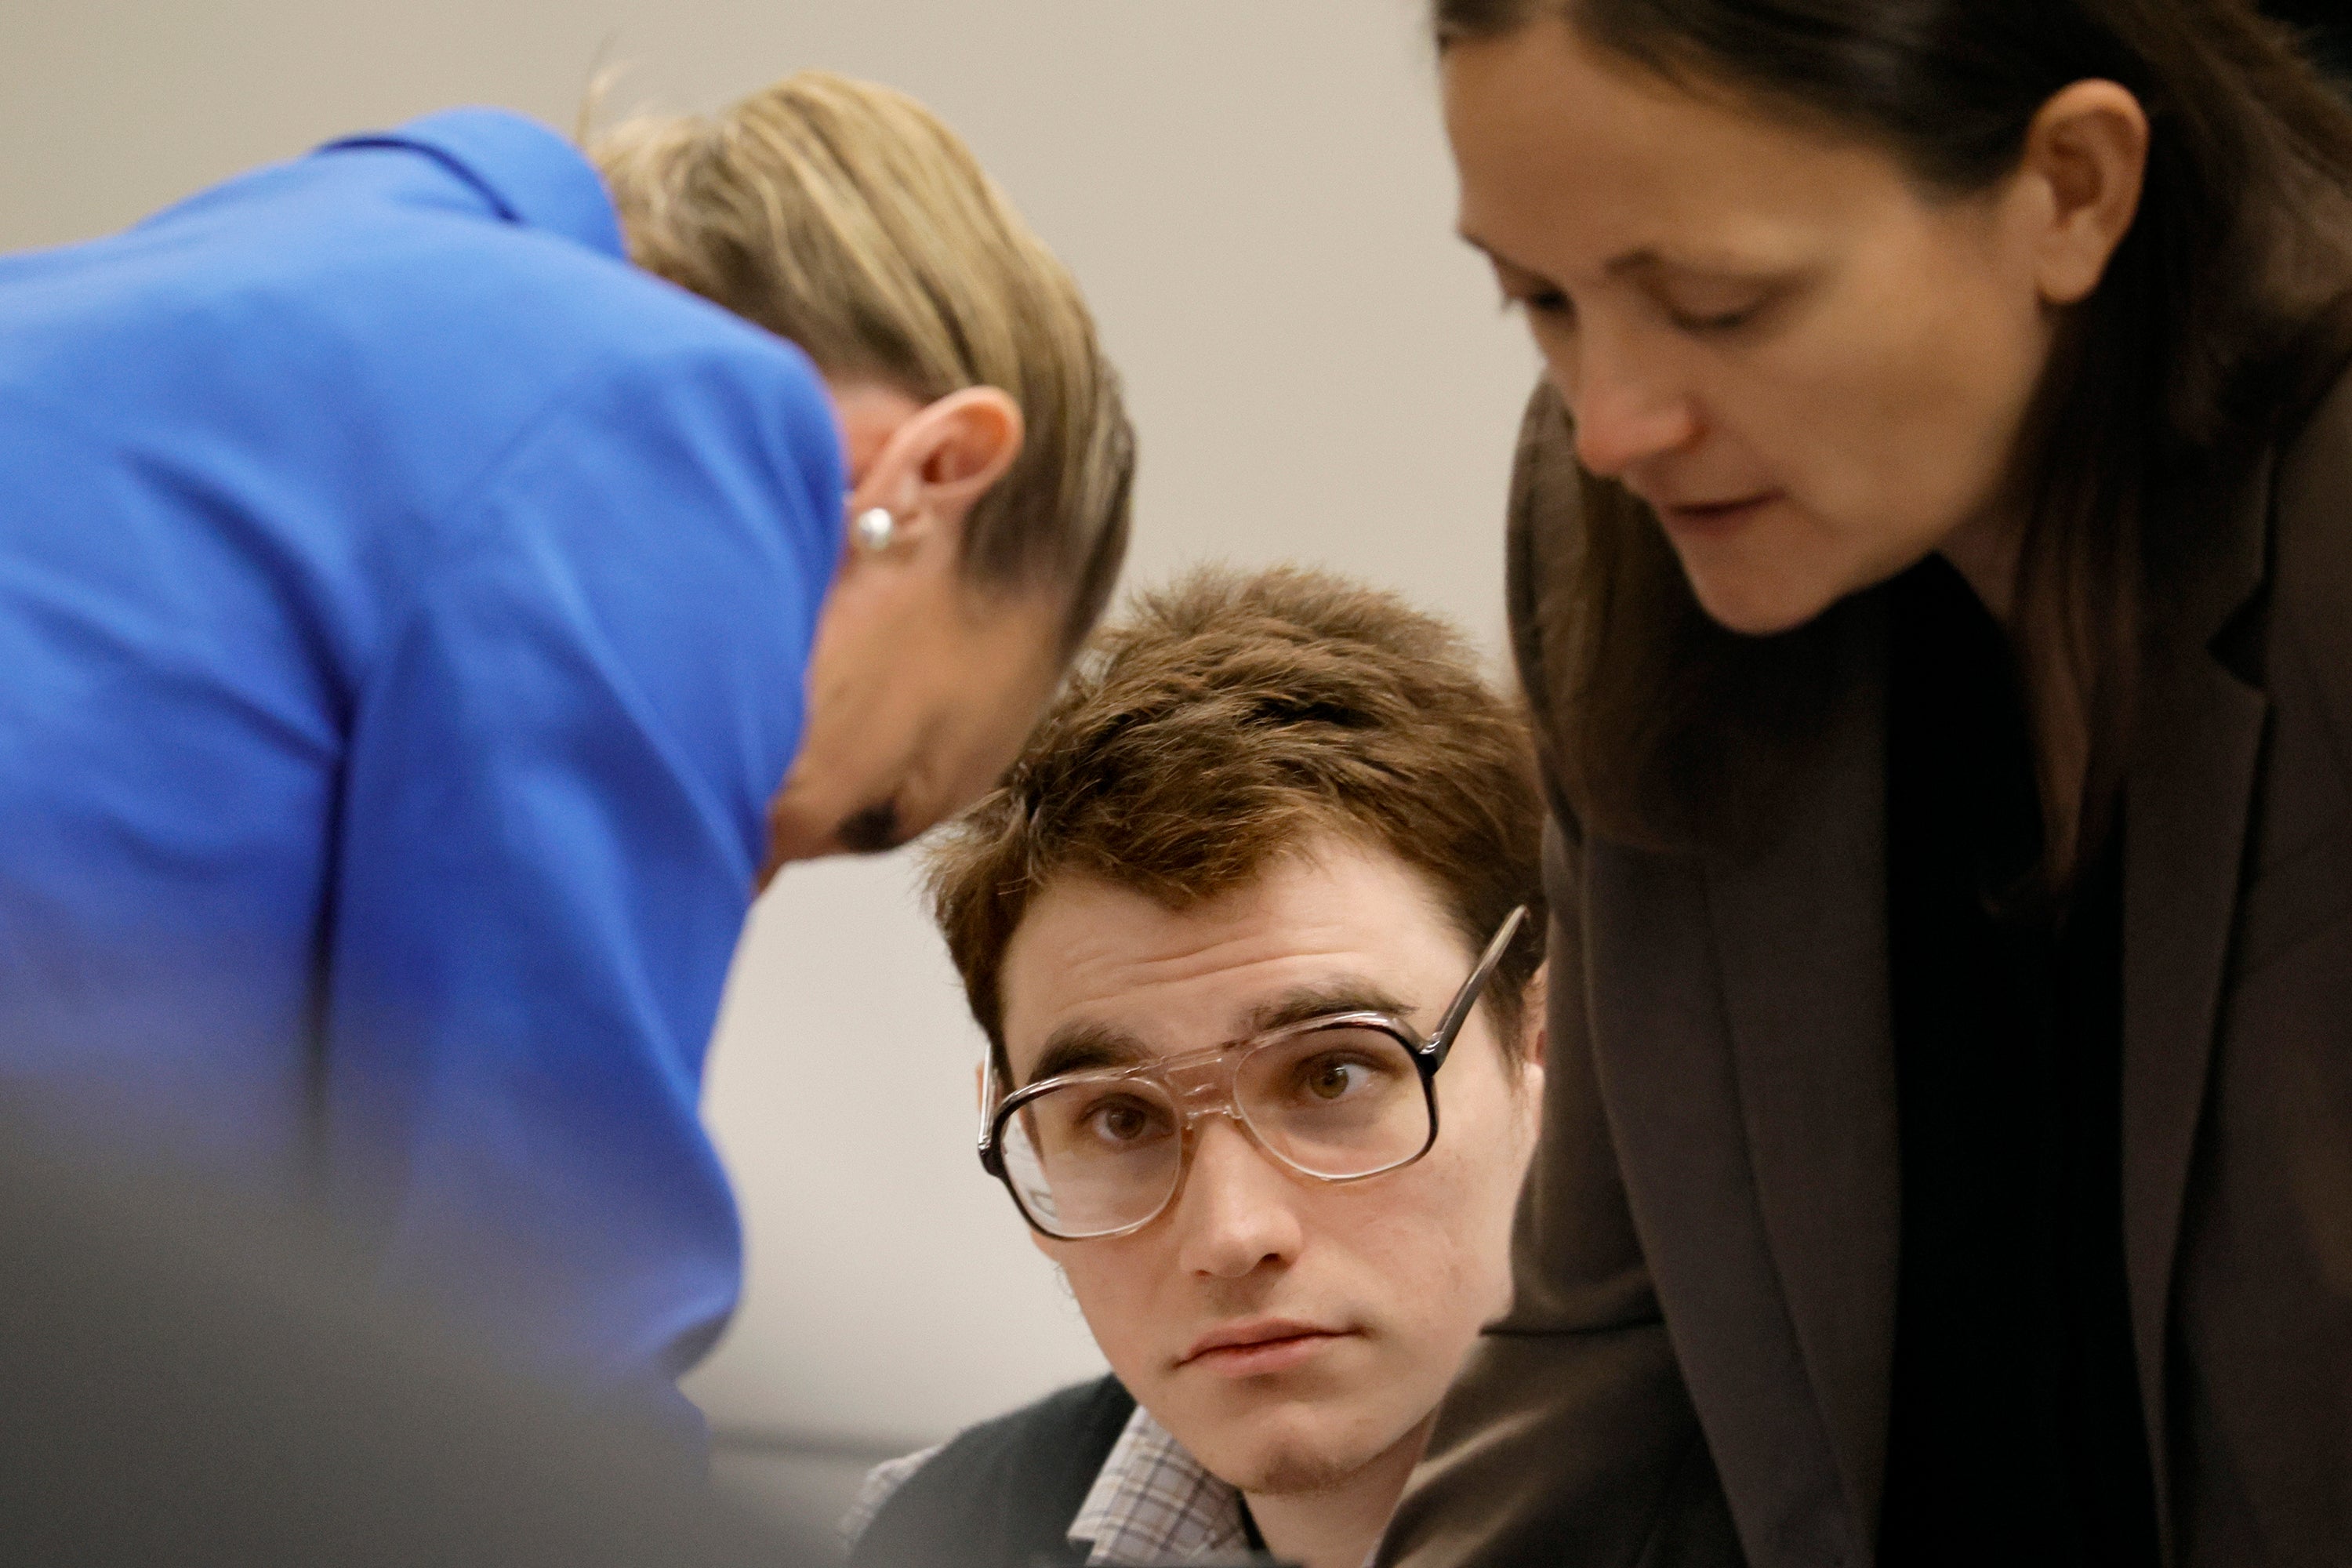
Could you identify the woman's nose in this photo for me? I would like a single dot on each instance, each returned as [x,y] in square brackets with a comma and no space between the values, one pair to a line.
[1624,413]
[1237,1211]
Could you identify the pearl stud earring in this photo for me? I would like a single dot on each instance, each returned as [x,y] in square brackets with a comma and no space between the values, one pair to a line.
[874,529]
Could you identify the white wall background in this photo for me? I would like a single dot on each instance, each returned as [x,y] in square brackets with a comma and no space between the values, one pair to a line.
[1255,195]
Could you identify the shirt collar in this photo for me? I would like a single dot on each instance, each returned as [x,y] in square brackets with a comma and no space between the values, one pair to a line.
[527,173]
[1152,1501]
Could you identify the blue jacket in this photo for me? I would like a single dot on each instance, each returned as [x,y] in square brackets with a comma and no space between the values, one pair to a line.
[404,607]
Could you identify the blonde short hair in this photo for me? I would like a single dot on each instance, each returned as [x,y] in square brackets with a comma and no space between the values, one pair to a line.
[846,218]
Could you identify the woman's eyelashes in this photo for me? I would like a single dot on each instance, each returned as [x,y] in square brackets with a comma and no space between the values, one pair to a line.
[1714,315]
[1525,291]
[1707,306]
[1715,322]
[1537,301]
[1697,318]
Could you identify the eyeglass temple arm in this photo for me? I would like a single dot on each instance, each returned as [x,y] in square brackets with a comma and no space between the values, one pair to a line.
[990,1160]
[1442,1041]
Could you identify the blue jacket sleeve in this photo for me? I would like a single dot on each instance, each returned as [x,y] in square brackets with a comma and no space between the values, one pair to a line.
[553,811]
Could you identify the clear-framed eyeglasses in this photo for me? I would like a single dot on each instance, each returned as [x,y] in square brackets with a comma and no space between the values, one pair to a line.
[1341,1098]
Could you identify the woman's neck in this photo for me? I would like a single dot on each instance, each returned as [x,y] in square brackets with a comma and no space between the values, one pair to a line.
[1984,551]
[1987,552]
[1337,1526]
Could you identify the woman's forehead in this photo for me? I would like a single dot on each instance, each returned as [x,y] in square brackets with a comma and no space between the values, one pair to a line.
[1566,157]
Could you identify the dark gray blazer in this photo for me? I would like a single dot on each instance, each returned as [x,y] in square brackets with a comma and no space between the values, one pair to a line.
[1696,1366]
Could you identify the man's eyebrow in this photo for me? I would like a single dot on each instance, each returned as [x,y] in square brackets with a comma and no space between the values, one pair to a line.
[1315,1001]
[1083,1044]
[1080,1045]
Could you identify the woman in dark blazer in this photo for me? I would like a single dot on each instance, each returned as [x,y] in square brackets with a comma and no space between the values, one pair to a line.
[1931,566]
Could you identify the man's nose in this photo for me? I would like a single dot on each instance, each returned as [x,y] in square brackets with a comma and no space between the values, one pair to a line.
[1237,1209]
[1625,406]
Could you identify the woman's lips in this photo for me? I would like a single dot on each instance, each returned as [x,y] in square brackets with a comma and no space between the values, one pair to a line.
[1253,1350]
[1712,517]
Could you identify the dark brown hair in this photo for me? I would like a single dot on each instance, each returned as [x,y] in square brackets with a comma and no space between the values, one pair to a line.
[2163,384]
[1221,722]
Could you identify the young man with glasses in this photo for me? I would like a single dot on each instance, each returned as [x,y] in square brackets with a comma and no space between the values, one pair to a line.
[1254,931]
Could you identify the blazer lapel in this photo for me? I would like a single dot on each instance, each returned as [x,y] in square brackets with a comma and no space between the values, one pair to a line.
[2186,797]
[1801,934]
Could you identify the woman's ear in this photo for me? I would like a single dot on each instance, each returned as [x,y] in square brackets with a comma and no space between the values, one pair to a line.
[2085,162]
[1535,1025]
[924,464]
[938,465]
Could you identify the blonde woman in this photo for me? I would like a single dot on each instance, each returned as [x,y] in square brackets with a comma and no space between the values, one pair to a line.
[428,622]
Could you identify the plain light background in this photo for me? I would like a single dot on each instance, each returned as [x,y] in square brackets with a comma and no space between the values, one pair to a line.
[1255,195]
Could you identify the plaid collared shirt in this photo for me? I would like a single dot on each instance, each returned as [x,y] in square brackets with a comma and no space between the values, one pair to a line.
[1152,1502]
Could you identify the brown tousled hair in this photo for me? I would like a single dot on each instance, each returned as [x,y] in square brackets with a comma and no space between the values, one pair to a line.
[1223,720]
[2163,386]
[845,217]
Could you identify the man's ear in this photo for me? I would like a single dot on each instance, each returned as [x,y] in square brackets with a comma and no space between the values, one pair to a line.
[938,463]
[2085,162]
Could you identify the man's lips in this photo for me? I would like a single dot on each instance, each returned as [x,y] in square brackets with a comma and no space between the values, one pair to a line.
[1259,1345]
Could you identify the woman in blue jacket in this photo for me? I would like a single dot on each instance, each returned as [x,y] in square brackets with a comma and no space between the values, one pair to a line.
[437,586]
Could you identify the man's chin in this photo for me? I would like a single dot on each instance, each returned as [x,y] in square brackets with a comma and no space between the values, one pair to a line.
[1286,1472]
[1291,1451]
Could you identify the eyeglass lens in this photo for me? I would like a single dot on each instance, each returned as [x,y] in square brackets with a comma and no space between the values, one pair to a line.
[1094,1156]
